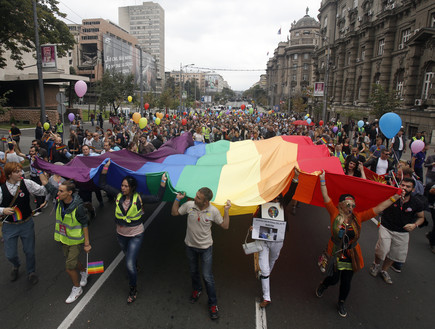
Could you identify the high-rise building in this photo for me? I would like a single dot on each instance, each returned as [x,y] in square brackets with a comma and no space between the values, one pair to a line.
[146,22]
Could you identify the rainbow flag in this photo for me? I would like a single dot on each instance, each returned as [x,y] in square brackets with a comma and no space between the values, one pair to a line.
[96,267]
[61,147]
[4,139]
[17,215]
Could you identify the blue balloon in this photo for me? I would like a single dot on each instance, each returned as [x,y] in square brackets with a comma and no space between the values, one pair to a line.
[360,123]
[390,124]
[308,120]
[258,119]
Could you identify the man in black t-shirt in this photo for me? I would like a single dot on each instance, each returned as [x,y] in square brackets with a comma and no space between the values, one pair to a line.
[402,217]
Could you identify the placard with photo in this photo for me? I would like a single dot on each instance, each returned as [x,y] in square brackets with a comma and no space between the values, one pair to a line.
[268,229]
[272,210]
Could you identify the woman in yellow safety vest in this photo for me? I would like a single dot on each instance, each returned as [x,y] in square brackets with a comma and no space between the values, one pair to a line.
[128,217]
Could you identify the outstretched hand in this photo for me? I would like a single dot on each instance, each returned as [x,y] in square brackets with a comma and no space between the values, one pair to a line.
[228,205]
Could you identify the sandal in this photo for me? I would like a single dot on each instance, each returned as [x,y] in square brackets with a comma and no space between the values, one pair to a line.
[132,295]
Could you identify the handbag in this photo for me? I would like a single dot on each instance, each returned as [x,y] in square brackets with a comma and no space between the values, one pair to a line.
[323,261]
[252,247]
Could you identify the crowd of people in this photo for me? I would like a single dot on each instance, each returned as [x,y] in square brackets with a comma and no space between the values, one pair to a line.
[363,151]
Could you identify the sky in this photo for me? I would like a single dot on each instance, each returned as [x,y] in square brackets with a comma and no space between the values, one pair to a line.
[235,35]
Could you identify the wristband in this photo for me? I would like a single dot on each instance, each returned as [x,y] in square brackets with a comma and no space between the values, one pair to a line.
[163,181]
[295,180]
[107,168]
[178,199]
[392,199]
[322,181]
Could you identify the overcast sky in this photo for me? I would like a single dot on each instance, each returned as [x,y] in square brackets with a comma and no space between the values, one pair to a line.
[220,34]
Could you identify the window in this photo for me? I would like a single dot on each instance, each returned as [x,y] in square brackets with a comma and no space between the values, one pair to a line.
[377,78]
[325,22]
[305,66]
[363,52]
[295,56]
[306,56]
[399,83]
[348,58]
[381,47]
[305,77]
[406,34]
[297,34]
[427,84]
[295,66]
[294,77]
[343,11]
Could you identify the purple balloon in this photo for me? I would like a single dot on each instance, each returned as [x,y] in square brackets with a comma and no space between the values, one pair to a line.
[71,117]
[261,114]
[80,88]
[335,129]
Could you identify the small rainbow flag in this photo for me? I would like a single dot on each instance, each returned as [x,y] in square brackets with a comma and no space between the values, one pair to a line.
[95,267]
[17,215]
[324,141]
[61,147]
[4,139]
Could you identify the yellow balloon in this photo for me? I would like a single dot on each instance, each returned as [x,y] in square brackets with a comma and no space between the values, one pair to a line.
[46,126]
[157,121]
[130,99]
[136,116]
[160,115]
[308,115]
[143,123]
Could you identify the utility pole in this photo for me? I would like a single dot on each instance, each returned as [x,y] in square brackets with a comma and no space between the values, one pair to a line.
[39,63]
[181,73]
[141,78]
[325,95]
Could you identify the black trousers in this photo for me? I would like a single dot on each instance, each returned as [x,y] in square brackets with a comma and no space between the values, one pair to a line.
[345,278]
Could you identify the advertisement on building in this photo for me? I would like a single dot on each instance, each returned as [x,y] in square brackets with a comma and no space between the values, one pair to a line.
[49,54]
[211,83]
[318,89]
[122,57]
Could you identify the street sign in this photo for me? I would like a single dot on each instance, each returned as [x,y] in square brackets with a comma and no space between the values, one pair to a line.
[60,98]
[61,109]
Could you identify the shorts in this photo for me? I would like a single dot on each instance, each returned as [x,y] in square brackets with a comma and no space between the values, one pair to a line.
[71,254]
[391,244]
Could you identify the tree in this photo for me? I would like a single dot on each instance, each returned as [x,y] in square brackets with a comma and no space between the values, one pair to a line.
[257,94]
[299,102]
[114,88]
[382,101]
[3,101]
[17,30]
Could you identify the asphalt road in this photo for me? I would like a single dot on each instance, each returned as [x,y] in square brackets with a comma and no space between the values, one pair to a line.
[164,283]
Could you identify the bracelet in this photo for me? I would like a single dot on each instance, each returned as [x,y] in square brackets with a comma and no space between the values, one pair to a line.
[322,184]
[392,199]
[107,168]
[322,181]
[178,199]
[295,180]
[163,181]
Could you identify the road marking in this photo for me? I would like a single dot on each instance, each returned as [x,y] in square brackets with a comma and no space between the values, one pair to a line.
[260,316]
[68,321]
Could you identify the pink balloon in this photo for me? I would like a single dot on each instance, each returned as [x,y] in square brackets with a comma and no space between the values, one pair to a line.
[417,146]
[80,88]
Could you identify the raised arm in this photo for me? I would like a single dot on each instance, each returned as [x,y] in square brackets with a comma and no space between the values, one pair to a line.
[176,204]
[385,204]
[323,188]
[226,223]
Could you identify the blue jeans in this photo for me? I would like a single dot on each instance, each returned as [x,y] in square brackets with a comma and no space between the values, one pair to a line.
[131,247]
[26,232]
[206,256]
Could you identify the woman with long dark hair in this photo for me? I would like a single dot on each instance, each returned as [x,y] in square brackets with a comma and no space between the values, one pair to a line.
[128,218]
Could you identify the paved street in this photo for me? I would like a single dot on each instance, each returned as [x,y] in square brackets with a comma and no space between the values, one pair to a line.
[164,284]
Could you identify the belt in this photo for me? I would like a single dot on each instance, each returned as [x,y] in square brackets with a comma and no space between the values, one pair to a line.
[19,222]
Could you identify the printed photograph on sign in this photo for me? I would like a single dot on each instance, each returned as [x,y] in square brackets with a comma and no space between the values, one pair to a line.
[272,210]
[268,229]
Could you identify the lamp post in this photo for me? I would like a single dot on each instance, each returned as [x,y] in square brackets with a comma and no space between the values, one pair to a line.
[325,90]
[141,79]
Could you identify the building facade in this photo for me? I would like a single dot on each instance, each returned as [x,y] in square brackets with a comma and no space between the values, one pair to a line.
[387,42]
[146,22]
[290,71]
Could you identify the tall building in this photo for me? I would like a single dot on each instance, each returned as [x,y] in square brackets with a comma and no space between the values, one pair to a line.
[290,71]
[389,43]
[146,22]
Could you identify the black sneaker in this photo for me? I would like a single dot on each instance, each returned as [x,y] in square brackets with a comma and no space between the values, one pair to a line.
[396,267]
[14,274]
[33,278]
[320,290]
[341,309]
[195,296]
[214,312]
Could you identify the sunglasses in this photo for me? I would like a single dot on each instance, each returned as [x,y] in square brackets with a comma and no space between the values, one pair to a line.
[350,205]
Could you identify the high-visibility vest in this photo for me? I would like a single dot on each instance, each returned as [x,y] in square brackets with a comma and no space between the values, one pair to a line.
[59,128]
[361,129]
[206,132]
[340,156]
[134,213]
[68,229]
[415,138]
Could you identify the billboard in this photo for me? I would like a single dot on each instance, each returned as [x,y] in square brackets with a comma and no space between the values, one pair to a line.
[318,88]
[125,58]
[211,83]
[49,57]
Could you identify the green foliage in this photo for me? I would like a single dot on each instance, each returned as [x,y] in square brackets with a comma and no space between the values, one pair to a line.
[299,104]
[382,101]
[114,88]
[257,94]
[3,101]
[17,31]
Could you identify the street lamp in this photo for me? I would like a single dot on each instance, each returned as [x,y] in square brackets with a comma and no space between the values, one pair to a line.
[182,82]
[325,90]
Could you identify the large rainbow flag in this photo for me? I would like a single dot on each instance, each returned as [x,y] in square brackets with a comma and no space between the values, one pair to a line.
[248,172]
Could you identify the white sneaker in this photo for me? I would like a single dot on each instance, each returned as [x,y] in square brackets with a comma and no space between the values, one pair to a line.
[374,269]
[75,293]
[36,214]
[83,279]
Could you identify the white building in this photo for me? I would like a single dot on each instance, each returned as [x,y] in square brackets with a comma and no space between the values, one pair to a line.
[146,22]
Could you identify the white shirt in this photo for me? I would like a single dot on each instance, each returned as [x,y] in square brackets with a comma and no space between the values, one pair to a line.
[382,167]
[32,187]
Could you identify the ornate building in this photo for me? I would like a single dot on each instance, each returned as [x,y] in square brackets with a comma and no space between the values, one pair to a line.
[386,42]
[290,70]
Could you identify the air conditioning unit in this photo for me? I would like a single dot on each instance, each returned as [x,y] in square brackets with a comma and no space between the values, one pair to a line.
[359,19]
[401,46]
[418,102]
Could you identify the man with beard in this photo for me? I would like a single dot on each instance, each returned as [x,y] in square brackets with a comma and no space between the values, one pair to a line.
[402,217]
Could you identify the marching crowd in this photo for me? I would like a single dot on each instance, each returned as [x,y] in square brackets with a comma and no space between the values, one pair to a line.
[362,150]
